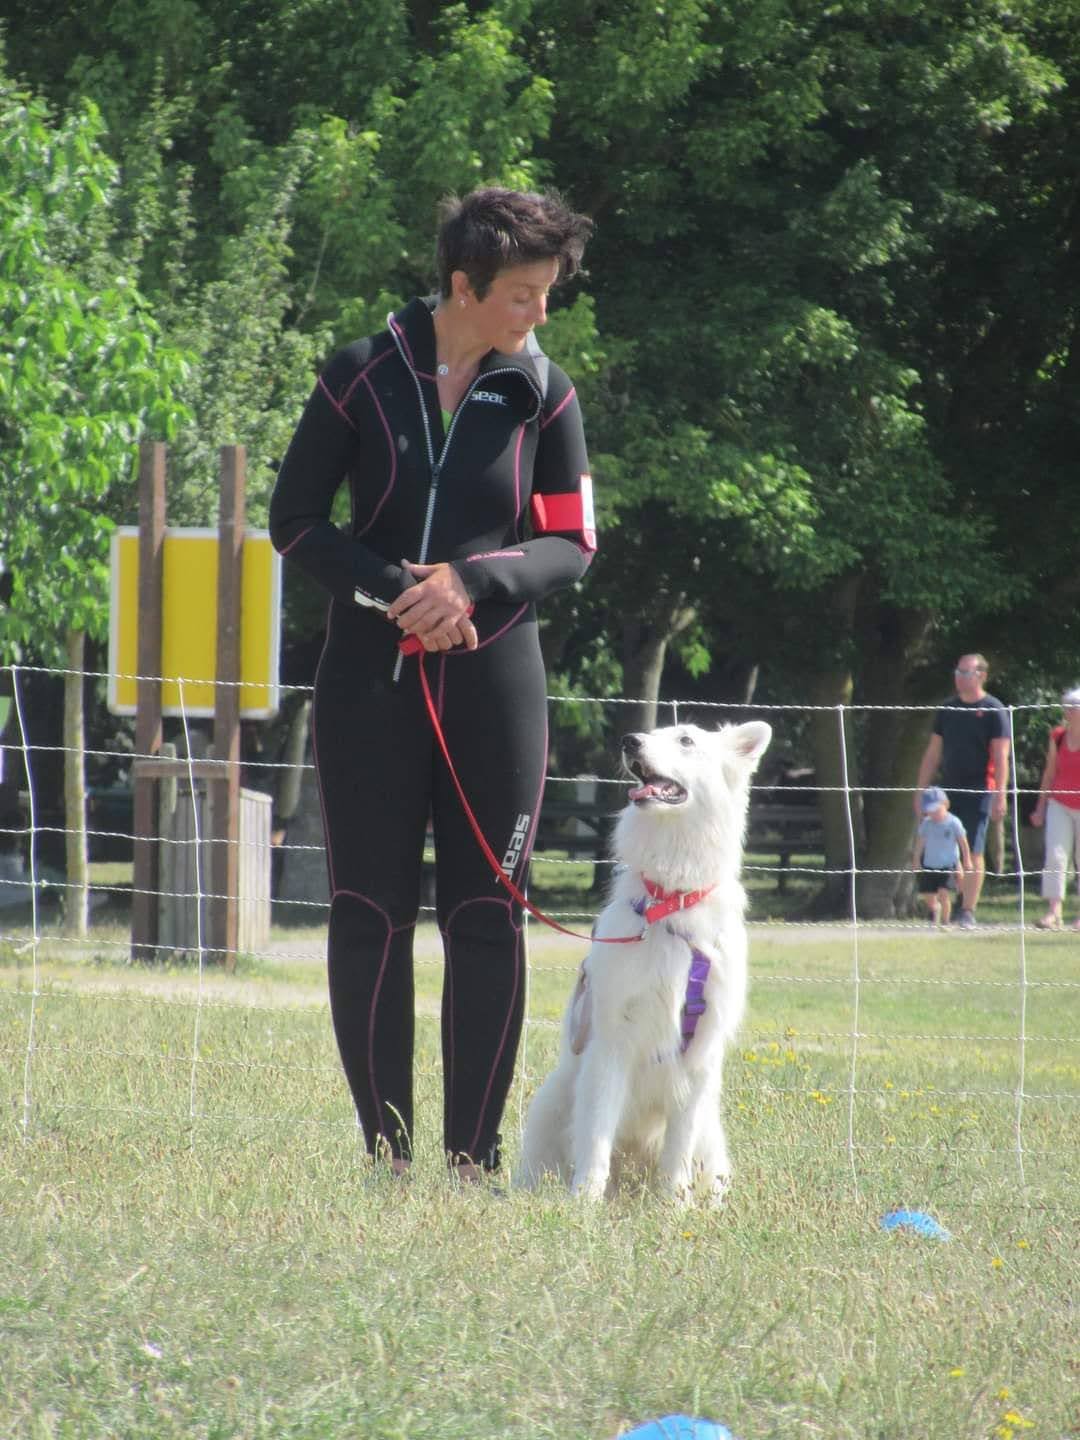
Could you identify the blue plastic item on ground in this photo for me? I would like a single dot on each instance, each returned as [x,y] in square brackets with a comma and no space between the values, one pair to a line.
[679,1427]
[917,1221]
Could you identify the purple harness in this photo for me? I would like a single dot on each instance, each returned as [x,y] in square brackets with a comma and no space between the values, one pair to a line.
[694,1004]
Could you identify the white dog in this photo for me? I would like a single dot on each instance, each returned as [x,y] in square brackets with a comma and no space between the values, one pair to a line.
[639,1072]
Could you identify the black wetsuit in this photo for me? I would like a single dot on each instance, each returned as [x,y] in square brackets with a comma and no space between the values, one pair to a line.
[504,496]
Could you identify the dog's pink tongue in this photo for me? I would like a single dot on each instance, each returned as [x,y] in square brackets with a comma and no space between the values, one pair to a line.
[642,792]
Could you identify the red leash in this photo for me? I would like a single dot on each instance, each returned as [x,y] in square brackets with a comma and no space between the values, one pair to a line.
[500,873]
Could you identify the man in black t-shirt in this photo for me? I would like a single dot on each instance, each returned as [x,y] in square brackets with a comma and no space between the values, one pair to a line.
[970,745]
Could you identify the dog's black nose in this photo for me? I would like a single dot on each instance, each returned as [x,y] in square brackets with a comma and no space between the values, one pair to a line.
[631,744]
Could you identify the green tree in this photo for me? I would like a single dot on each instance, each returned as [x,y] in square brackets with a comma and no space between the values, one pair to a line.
[806,214]
[827,344]
[81,375]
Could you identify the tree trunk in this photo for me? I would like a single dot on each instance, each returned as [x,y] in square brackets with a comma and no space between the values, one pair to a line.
[839,799]
[643,668]
[893,642]
[890,819]
[77,893]
[833,688]
[644,650]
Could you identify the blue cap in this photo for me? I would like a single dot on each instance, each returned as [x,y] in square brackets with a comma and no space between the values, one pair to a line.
[679,1427]
[933,797]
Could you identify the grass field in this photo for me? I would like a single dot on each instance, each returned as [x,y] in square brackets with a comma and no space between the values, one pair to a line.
[193,1245]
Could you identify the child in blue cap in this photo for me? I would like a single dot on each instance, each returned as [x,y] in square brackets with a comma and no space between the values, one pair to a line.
[941,854]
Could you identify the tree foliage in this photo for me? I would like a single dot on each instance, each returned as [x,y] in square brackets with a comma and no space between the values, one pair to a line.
[826,344]
[81,372]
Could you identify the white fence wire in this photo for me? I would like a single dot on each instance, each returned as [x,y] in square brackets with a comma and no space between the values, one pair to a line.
[42,968]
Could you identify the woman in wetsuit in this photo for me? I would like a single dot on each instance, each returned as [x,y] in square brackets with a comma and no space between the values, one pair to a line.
[463,450]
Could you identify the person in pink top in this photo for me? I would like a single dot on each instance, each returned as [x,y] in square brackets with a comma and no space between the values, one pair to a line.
[1058,807]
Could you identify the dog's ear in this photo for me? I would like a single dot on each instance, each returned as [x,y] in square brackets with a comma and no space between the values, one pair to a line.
[752,739]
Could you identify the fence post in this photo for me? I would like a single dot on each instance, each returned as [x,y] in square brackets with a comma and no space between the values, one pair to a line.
[144,883]
[225,790]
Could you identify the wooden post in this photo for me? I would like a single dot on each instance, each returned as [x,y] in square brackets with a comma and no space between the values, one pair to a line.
[225,869]
[144,901]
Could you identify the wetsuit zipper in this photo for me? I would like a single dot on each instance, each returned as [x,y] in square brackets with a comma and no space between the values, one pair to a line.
[436,466]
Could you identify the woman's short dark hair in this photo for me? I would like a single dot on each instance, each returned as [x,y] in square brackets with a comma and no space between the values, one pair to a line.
[492,228]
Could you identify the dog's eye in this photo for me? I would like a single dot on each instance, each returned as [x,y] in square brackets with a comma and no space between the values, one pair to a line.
[686,741]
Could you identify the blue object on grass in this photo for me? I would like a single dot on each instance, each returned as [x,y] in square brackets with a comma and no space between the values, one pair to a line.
[679,1427]
[918,1221]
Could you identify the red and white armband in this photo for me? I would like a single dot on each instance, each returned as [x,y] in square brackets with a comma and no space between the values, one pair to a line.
[569,513]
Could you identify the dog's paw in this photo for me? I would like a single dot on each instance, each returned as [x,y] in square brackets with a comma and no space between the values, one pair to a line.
[592,1186]
[676,1191]
[713,1190]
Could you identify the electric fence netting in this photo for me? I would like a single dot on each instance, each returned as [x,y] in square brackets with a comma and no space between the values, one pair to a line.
[877,1046]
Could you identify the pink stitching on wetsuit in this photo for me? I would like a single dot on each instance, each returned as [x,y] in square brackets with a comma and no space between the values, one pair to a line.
[522,862]
[393,460]
[298,539]
[517,471]
[420,374]
[448,1029]
[315,747]
[527,851]
[337,406]
[559,408]
[400,333]
[391,931]
[460,650]
[503,628]
[448,943]
[362,374]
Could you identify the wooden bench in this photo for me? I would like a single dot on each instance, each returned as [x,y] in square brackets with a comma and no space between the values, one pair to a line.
[785,829]
[775,827]
[580,829]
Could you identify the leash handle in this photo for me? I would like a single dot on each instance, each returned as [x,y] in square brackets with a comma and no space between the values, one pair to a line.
[413,645]
[500,873]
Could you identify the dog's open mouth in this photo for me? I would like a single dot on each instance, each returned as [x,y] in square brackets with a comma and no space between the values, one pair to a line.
[660,788]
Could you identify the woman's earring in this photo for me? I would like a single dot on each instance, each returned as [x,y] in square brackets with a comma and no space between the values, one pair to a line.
[463,304]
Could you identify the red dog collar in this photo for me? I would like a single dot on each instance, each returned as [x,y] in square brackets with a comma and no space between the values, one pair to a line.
[668,902]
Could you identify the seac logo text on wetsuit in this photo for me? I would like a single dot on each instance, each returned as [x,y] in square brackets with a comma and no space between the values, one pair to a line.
[516,845]
[490,397]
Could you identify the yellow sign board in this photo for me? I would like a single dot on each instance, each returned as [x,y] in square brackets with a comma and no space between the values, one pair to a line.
[189,624]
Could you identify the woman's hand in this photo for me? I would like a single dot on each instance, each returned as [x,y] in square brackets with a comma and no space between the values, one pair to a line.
[435,609]
[1038,815]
